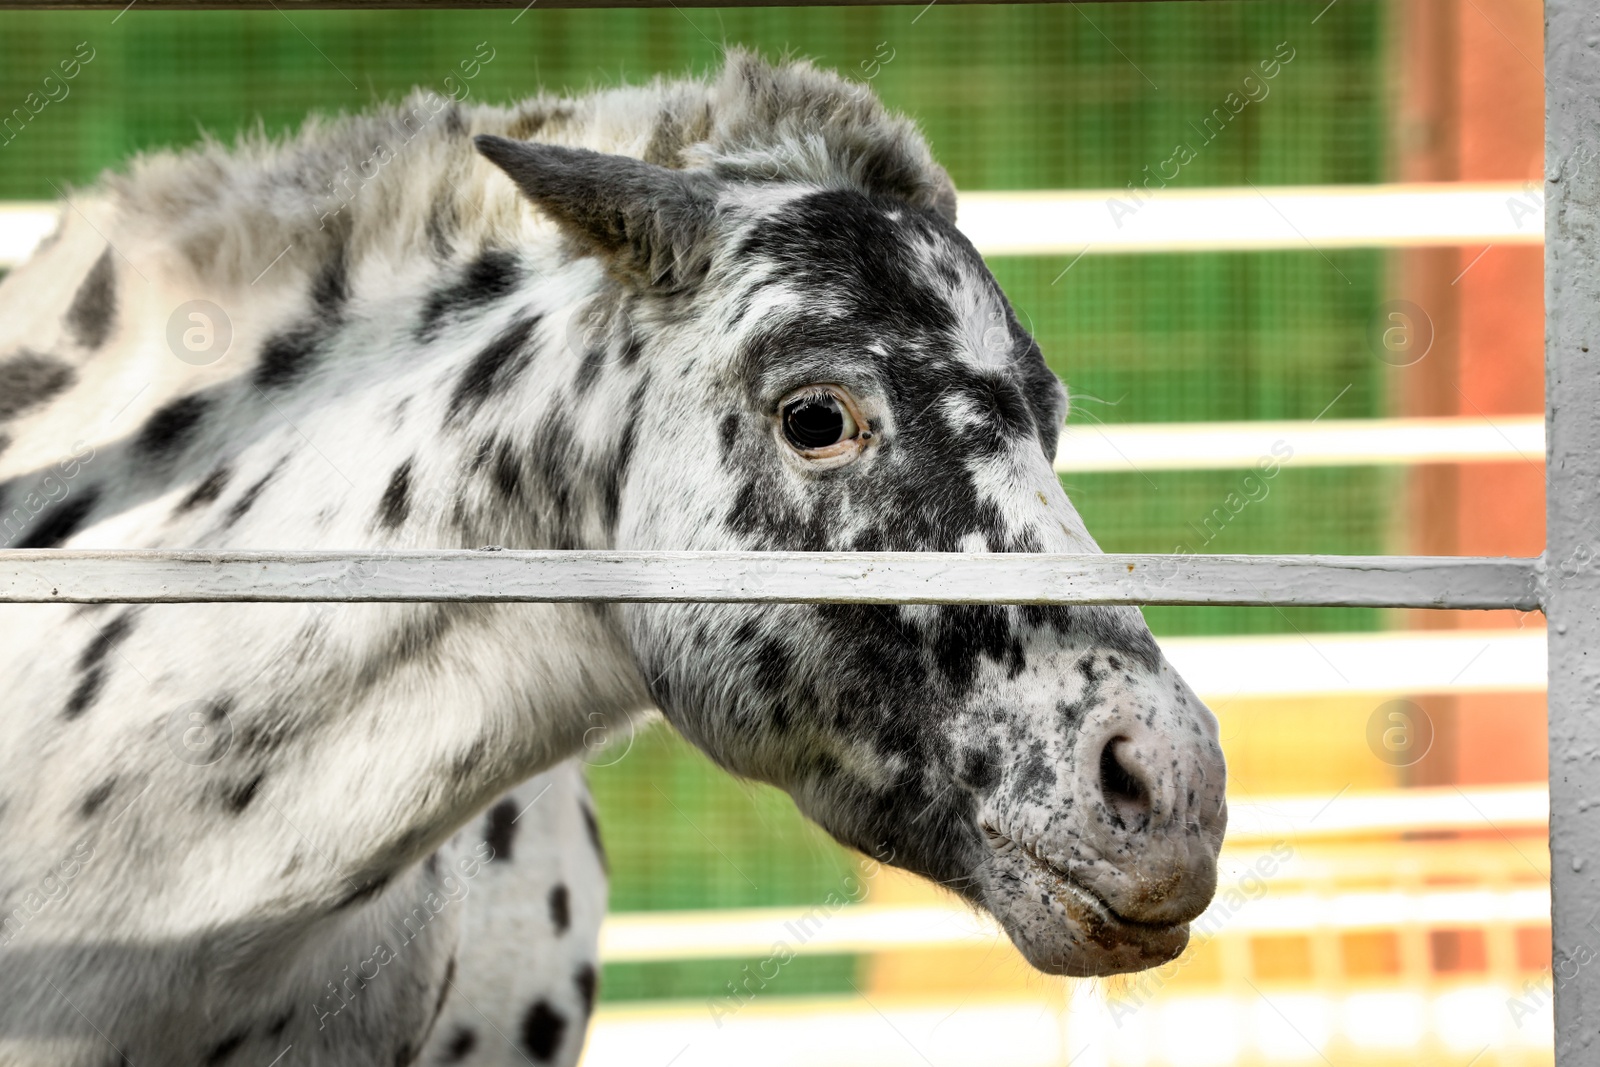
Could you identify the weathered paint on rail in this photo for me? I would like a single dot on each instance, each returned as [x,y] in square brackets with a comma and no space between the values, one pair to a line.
[1572,514]
[490,575]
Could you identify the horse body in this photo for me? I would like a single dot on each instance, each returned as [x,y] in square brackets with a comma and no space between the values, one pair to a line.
[228,894]
[743,320]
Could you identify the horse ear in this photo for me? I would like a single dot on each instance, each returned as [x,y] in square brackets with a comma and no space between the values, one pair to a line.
[649,221]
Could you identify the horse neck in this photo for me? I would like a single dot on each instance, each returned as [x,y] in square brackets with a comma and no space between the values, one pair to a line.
[454,703]
[493,426]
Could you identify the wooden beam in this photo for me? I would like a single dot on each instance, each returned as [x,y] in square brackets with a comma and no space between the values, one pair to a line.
[1572,506]
[498,575]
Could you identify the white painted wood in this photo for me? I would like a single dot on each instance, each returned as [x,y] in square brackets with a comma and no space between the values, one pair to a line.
[776,1028]
[24,224]
[1177,446]
[1252,825]
[1263,820]
[144,576]
[1572,508]
[1132,1021]
[1405,663]
[1066,222]
[735,933]
[1103,221]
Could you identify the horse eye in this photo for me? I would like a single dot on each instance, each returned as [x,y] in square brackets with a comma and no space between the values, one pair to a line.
[820,422]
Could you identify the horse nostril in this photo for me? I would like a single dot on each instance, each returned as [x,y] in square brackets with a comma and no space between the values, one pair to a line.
[1125,792]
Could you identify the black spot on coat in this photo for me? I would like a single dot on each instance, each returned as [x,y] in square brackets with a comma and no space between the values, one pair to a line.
[502,830]
[207,491]
[396,503]
[632,348]
[980,769]
[225,1048]
[586,982]
[847,242]
[264,733]
[172,427]
[494,368]
[285,356]
[615,473]
[29,379]
[508,471]
[60,521]
[560,908]
[106,640]
[590,364]
[493,276]
[418,635]
[460,1045]
[94,307]
[97,798]
[241,795]
[331,288]
[248,498]
[542,1030]
[550,469]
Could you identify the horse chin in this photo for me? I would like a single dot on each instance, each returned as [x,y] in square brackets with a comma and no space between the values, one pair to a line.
[1063,928]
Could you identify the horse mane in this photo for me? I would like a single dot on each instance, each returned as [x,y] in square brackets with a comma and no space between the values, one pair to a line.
[404,179]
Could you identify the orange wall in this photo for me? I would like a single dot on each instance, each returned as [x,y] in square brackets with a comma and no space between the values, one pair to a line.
[1471,105]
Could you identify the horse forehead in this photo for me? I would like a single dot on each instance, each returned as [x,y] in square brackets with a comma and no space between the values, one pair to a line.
[870,284]
[868,254]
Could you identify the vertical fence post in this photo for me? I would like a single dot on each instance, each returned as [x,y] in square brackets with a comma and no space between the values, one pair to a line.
[1572,390]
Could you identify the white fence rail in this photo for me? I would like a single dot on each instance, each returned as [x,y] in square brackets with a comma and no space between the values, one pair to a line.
[861,928]
[734,932]
[1397,662]
[24,224]
[1111,221]
[1181,446]
[499,575]
[1251,218]
[1416,810]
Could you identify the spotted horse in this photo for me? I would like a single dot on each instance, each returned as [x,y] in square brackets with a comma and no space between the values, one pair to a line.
[722,313]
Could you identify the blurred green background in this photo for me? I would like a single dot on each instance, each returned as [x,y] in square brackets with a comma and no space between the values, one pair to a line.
[1012,97]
